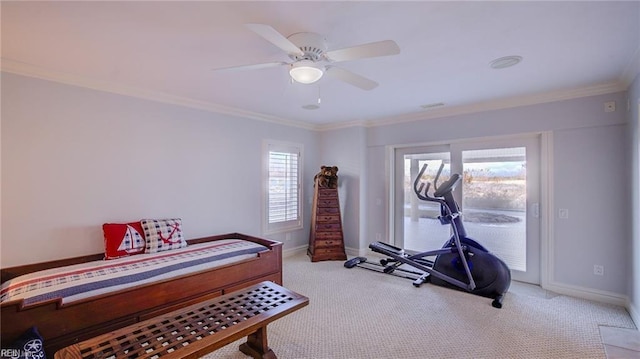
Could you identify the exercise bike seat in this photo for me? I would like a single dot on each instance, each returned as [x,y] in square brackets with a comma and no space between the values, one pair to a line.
[448,186]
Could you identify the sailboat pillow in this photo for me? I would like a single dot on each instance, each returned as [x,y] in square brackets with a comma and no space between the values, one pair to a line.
[163,234]
[123,239]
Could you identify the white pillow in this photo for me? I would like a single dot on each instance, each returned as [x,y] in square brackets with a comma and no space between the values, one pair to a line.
[163,234]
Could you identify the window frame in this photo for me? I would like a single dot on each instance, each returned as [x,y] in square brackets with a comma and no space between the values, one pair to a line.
[268,227]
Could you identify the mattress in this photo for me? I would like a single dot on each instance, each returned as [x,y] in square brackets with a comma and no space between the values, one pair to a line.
[81,281]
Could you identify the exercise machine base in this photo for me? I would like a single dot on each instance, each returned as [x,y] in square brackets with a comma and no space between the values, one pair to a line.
[444,270]
[461,263]
[417,277]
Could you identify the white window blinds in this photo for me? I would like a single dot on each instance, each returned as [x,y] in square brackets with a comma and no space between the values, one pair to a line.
[284,202]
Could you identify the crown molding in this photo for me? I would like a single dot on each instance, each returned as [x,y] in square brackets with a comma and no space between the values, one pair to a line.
[500,104]
[341,125]
[20,68]
[24,69]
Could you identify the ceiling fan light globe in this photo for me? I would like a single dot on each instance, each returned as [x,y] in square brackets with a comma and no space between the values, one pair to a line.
[305,72]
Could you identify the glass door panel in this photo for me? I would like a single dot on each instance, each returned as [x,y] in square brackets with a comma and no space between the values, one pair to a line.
[500,199]
[494,189]
[417,227]
[422,229]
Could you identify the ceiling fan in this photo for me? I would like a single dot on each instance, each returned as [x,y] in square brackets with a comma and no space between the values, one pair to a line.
[311,60]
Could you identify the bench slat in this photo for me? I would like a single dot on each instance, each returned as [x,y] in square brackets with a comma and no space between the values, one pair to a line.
[198,329]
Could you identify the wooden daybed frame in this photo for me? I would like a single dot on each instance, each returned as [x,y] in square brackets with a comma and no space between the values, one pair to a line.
[63,325]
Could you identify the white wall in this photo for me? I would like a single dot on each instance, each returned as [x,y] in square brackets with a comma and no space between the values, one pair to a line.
[74,158]
[598,230]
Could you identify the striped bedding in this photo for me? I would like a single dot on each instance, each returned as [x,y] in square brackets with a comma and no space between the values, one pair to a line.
[85,280]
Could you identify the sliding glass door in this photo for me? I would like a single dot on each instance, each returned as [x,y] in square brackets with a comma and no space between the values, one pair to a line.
[416,225]
[498,196]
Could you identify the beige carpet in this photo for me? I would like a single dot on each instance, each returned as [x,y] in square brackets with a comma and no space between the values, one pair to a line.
[355,313]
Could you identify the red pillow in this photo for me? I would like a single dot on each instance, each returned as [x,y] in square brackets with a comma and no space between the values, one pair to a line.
[123,239]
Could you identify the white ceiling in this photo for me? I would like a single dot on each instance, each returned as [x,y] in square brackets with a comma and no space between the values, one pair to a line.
[168,50]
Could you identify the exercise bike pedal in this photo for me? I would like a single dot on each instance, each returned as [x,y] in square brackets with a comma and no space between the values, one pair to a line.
[389,269]
[354,262]
[387,261]
[422,279]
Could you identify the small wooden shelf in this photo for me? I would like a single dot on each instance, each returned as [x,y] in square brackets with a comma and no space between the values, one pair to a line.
[326,240]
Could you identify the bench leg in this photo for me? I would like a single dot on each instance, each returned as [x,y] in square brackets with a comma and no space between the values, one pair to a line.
[256,345]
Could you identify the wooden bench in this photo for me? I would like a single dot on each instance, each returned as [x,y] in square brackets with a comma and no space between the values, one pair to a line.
[197,330]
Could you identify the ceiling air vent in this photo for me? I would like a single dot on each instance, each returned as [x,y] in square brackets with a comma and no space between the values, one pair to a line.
[432,105]
[504,62]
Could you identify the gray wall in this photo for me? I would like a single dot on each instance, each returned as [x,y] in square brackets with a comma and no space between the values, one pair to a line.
[634,199]
[589,178]
[345,149]
[590,166]
[74,158]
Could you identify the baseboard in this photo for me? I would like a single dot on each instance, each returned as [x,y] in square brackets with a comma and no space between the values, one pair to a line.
[560,288]
[289,252]
[588,293]
[633,311]
[352,252]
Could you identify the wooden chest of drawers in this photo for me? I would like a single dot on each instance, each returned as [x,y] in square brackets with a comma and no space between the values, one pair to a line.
[326,240]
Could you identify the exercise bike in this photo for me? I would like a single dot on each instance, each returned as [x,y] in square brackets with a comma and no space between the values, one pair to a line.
[461,263]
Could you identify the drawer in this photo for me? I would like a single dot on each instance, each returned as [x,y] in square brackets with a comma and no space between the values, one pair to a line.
[328,235]
[328,210]
[321,243]
[328,219]
[328,250]
[327,193]
[331,227]
[327,202]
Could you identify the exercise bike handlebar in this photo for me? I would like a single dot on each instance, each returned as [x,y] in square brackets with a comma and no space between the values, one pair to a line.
[448,186]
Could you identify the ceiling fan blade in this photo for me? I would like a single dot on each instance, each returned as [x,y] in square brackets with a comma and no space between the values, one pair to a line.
[351,78]
[250,67]
[373,49]
[270,34]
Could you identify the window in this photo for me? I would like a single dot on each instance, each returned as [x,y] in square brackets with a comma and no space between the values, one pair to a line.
[283,200]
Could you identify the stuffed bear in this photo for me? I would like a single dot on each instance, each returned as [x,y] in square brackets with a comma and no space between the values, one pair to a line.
[327,177]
